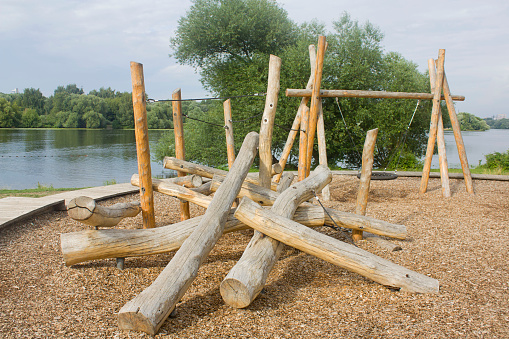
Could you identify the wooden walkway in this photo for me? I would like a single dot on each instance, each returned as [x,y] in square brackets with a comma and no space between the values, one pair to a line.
[14,209]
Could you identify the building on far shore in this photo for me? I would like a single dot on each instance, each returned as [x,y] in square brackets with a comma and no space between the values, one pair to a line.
[500,117]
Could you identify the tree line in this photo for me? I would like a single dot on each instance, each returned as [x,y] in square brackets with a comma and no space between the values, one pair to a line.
[70,107]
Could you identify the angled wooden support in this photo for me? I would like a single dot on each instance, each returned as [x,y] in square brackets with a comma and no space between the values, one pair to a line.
[247,278]
[180,152]
[142,144]
[314,107]
[332,250]
[322,148]
[434,122]
[442,156]
[367,167]
[150,308]
[87,211]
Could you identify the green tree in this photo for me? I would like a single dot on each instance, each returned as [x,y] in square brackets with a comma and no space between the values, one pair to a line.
[30,118]
[33,98]
[10,115]
[469,122]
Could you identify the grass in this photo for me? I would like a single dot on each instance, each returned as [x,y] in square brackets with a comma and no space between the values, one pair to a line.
[40,191]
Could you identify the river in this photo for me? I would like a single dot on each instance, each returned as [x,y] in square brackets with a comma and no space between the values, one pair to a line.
[84,158]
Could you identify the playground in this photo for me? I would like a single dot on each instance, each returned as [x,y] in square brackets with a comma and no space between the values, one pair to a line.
[461,241]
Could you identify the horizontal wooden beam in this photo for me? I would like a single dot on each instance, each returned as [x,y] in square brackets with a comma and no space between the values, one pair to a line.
[351,93]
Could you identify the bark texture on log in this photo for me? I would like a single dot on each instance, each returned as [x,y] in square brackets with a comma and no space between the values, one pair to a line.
[150,308]
[87,211]
[334,251]
[247,278]
[352,93]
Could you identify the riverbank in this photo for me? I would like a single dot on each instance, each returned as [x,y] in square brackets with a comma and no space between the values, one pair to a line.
[304,297]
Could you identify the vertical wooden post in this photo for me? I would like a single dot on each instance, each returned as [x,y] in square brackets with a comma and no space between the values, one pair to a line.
[434,122]
[178,129]
[315,100]
[265,147]
[304,118]
[228,128]
[289,144]
[457,136]
[322,148]
[442,156]
[142,145]
[367,167]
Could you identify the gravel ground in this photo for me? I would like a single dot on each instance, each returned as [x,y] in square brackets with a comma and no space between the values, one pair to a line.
[461,241]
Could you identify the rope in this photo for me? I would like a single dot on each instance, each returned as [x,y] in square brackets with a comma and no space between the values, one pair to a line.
[347,131]
[205,122]
[200,99]
[403,139]
[337,228]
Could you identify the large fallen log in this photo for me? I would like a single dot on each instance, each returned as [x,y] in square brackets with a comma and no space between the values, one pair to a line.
[332,250]
[147,311]
[87,211]
[209,172]
[247,278]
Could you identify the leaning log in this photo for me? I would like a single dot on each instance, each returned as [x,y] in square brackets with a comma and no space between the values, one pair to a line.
[87,211]
[150,308]
[247,278]
[261,195]
[334,251]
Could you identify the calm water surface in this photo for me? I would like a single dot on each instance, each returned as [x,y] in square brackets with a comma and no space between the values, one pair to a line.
[83,158]
[70,158]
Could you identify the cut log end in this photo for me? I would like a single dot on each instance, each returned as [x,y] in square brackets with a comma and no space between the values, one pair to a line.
[81,208]
[235,293]
[134,320]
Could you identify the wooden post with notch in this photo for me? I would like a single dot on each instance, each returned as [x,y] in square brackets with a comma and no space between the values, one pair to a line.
[228,128]
[434,122]
[315,101]
[442,156]
[178,129]
[367,167]
[265,147]
[142,145]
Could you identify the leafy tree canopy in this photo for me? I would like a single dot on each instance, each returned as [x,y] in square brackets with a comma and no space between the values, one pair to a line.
[469,122]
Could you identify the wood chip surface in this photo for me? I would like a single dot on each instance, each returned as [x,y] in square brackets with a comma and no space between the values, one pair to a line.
[462,241]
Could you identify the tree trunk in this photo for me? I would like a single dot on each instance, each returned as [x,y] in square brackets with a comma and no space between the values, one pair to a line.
[86,210]
[247,278]
[334,251]
[150,308]
[350,93]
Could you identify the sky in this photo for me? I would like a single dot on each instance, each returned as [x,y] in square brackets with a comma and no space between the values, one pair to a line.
[45,44]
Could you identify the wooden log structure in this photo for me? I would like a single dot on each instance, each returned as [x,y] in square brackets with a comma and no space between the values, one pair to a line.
[332,250]
[267,124]
[87,245]
[189,181]
[180,152]
[228,128]
[87,211]
[351,93]
[442,156]
[314,106]
[147,311]
[434,122]
[209,172]
[366,169]
[246,279]
[322,148]
[142,144]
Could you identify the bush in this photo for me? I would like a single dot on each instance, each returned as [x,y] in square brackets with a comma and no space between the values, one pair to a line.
[497,160]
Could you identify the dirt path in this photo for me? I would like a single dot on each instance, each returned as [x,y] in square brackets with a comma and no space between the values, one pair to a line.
[461,241]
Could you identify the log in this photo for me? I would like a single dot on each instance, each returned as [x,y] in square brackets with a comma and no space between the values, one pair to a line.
[351,93]
[442,156]
[228,128]
[247,278]
[176,191]
[78,247]
[365,180]
[334,251]
[87,211]
[262,195]
[203,189]
[189,181]
[209,172]
[434,122]
[322,148]
[303,142]
[315,101]
[288,145]
[285,182]
[380,242]
[457,136]
[150,308]
[180,152]
[142,145]
[267,124]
